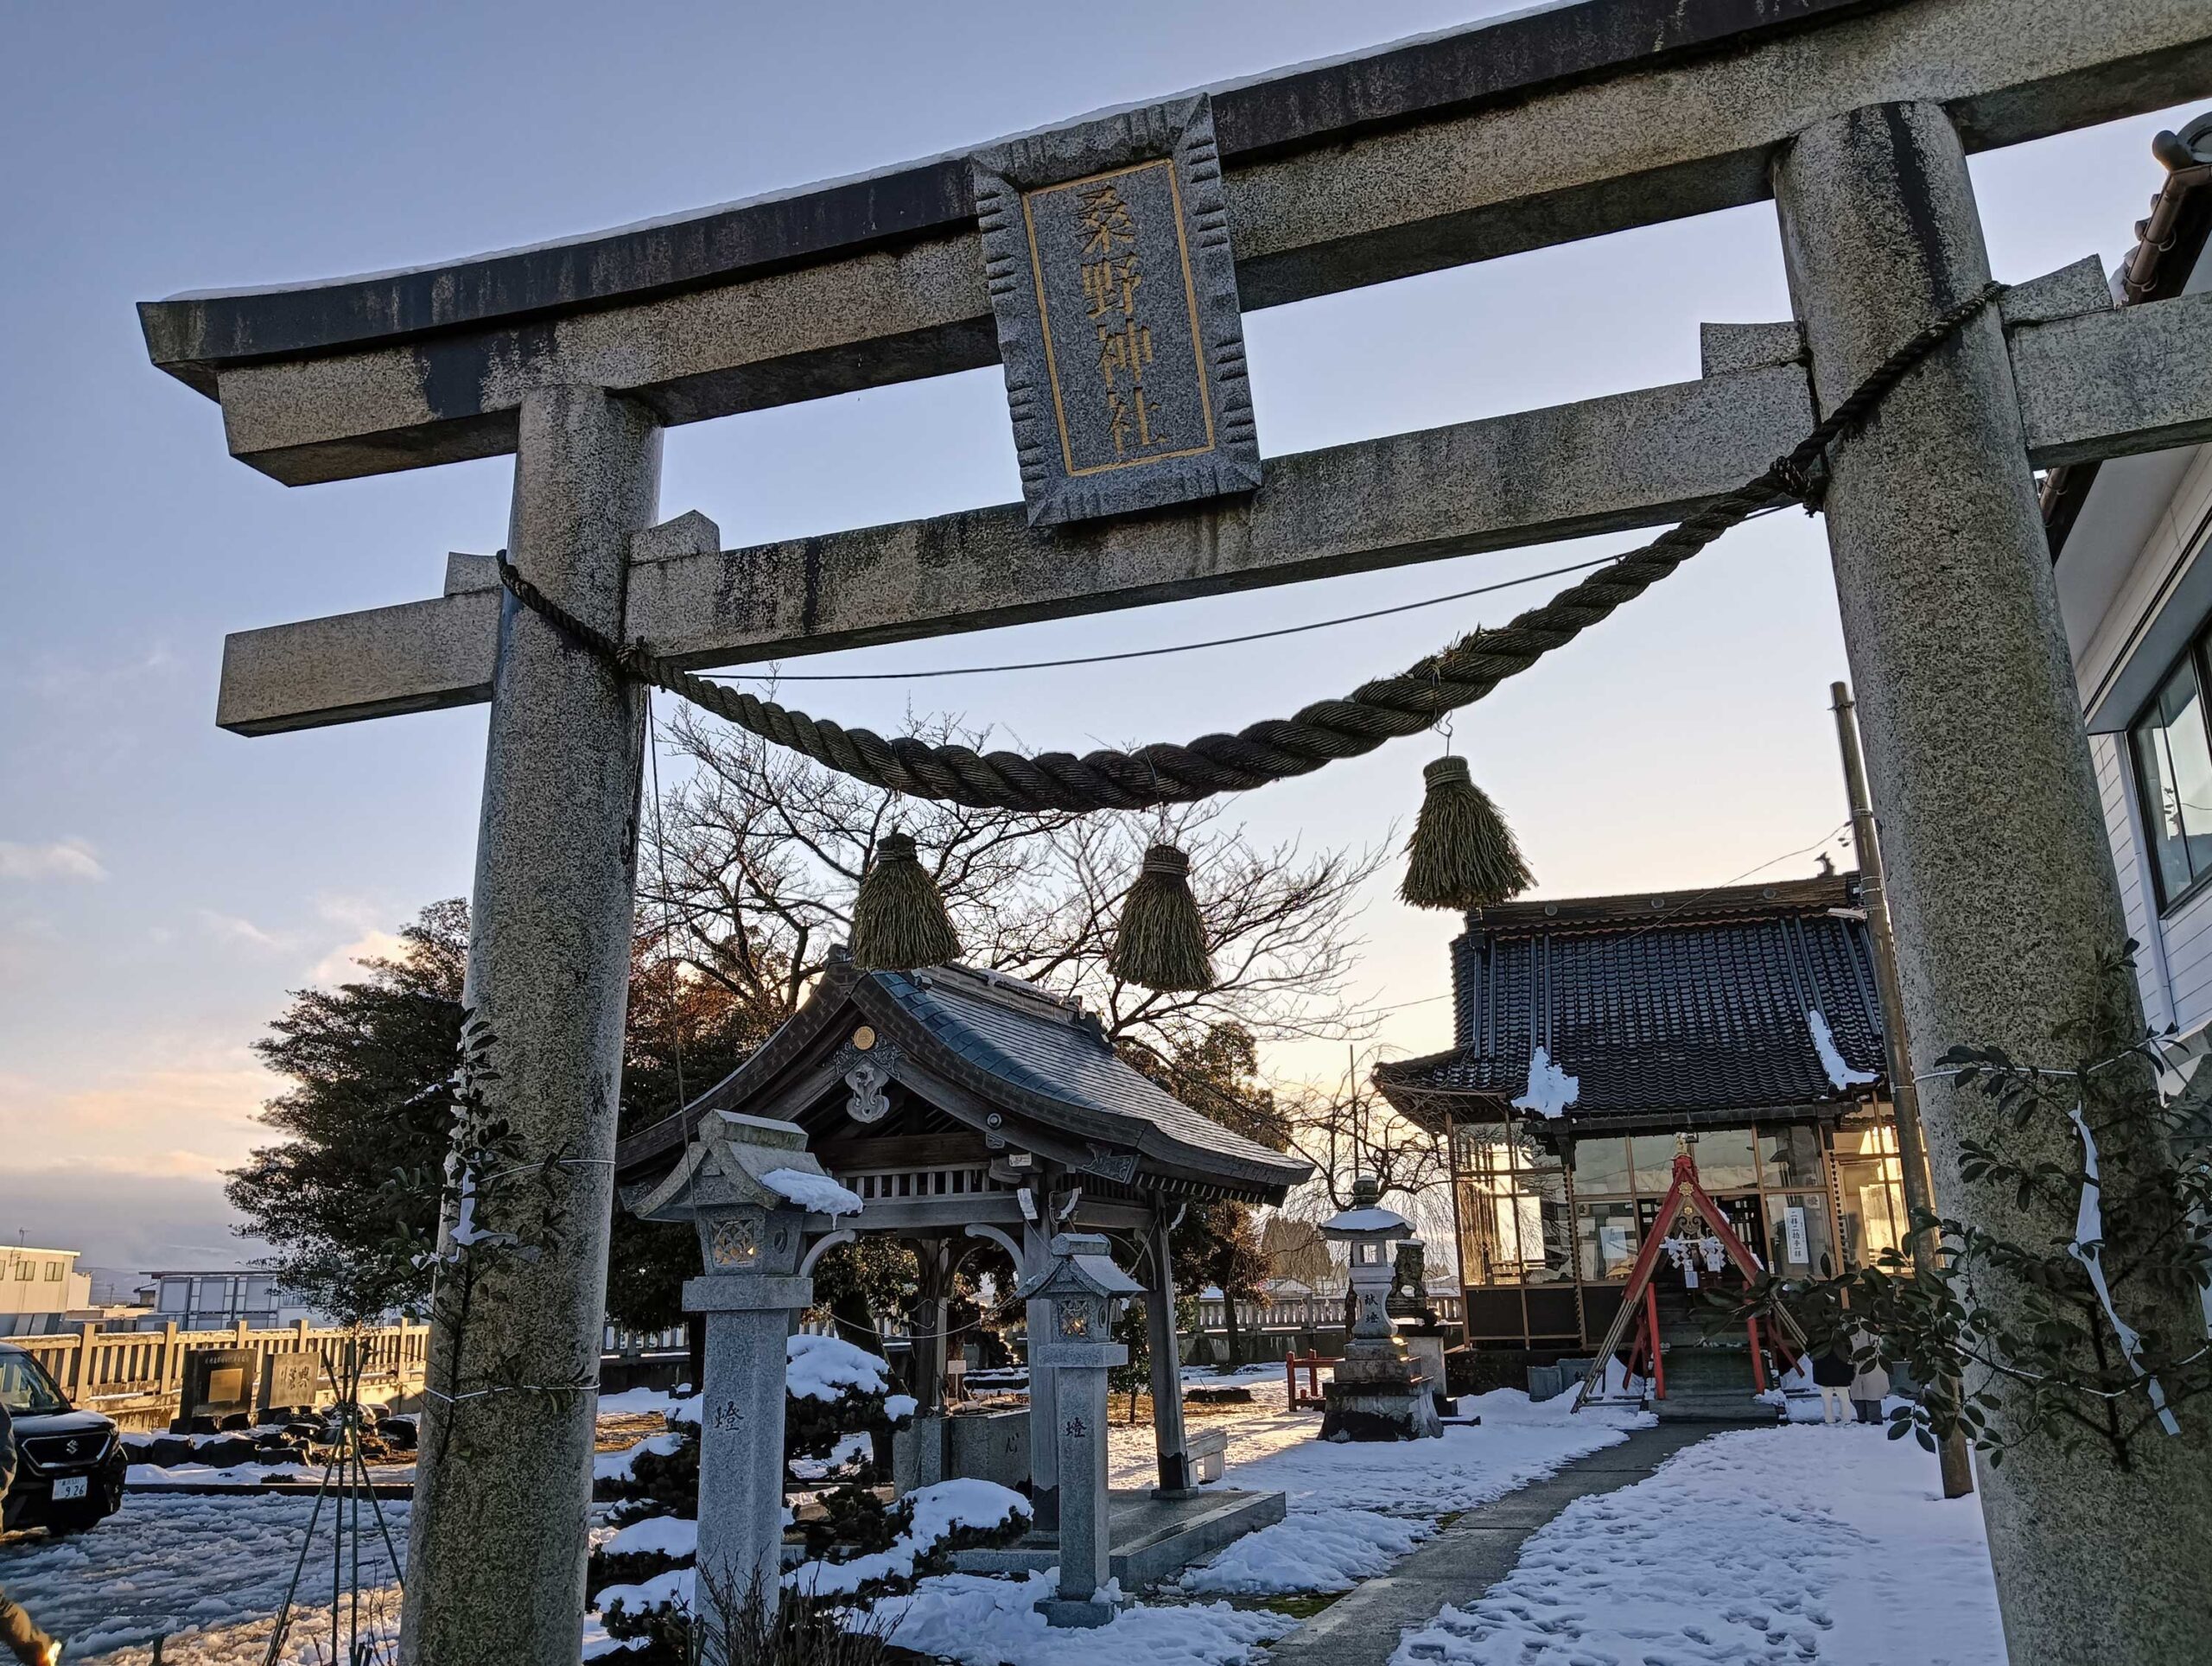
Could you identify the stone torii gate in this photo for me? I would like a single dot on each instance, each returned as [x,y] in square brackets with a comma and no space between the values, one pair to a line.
[1855,115]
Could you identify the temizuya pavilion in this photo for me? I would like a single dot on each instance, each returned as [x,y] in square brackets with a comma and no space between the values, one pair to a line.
[960,1105]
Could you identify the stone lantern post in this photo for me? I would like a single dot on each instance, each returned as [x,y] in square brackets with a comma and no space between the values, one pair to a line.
[1087,1292]
[747,1184]
[1379,1393]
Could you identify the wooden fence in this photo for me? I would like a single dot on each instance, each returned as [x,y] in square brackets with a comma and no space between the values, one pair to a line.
[137,1376]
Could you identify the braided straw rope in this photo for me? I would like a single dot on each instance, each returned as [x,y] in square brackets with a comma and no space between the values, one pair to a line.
[1385,709]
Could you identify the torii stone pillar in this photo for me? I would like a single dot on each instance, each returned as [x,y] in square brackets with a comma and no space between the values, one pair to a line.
[2000,874]
[495,1556]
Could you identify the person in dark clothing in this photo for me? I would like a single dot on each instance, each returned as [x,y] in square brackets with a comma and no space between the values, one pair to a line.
[25,1641]
[1831,1375]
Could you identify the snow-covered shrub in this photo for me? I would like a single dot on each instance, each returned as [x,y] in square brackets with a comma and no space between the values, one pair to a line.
[928,1528]
[642,1579]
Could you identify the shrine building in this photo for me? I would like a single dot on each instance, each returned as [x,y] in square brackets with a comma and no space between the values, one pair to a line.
[1744,1018]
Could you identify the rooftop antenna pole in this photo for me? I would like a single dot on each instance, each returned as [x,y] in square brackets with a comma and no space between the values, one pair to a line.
[1904,1092]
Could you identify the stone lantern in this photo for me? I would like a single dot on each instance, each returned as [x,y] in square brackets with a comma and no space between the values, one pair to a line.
[1087,1292]
[747,1184]
[1380,1394]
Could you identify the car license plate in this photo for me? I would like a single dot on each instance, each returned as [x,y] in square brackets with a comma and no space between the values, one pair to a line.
[70,1486]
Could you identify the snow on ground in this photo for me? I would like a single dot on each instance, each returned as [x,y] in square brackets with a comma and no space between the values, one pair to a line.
[1312,1550]
[1519,1440]
[213,1568]
[993,1622]
[1792,1544]
[1355,1509]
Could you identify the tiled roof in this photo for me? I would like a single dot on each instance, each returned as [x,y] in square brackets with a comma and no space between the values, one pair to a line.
[1665,1008]
[1003,1043]
[1051,1051]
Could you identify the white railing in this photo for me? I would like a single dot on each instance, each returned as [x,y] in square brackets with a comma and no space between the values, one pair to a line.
[628,1345]
[1314,1312]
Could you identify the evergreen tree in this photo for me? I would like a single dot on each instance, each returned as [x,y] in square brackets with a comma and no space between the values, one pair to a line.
[369,1066]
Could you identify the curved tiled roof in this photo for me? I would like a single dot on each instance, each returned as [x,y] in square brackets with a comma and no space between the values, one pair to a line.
[1010,1044]
[1663,1007]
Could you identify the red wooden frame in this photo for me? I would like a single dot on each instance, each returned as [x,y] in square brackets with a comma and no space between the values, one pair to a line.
[1684,1187]
[1311,1365]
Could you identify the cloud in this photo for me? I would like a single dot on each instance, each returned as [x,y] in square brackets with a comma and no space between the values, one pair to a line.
[64,859]
[124,1217]
[191,1109]
[233,928]
[341,965]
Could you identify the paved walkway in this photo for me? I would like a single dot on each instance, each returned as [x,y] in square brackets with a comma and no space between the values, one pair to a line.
[1470,1555]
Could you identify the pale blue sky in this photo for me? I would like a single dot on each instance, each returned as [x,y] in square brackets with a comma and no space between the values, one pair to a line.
[162,884]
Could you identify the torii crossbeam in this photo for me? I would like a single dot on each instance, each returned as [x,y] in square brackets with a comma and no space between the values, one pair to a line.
[1855,115]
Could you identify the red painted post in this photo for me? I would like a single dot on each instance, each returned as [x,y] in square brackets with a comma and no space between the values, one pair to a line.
[1758,1364]
[1651,1321]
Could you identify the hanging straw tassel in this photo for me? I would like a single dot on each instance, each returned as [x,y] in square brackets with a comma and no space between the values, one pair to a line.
[898,918]
[1462,855]
[1162,941]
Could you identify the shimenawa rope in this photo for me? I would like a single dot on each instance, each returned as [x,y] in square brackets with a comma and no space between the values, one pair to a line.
[1277,749]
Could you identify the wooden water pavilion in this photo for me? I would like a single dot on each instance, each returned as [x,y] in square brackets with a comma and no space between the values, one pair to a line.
[961,1105]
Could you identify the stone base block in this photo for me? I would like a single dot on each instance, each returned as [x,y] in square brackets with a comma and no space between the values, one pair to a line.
[1151,1538]
[1378,1412]
[1080,1616]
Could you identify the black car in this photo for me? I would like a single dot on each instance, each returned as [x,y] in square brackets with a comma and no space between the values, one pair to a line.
[69,1464]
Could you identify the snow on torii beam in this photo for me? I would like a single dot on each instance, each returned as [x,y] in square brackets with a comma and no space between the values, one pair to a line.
[1501,136]
[2100,382]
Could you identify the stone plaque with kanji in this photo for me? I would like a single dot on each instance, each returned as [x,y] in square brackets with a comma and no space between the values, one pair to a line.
[1106,248]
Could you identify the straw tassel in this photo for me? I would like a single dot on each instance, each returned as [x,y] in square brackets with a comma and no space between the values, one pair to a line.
[899,918]
[1162,941]
[1462,855]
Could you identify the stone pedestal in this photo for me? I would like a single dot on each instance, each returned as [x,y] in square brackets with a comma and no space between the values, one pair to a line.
[1085,1537]
[1085,1291]
[1380,1393]
[742,1424]
[1378,1397]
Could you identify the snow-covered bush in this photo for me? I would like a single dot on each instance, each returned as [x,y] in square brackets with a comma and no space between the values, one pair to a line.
[860,1547]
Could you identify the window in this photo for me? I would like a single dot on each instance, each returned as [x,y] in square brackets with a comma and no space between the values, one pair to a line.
[1655,1162]
[54,1272]
[24,1271]
[1871,1184]
[2173,770]
[1798,1243]
[1790,1156]
[25,1389]
[1513,1223]
[1723,1159]
[1601,1165]
[1606,1237]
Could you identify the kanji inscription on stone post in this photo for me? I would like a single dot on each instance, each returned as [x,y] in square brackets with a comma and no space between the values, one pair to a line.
[1107,251]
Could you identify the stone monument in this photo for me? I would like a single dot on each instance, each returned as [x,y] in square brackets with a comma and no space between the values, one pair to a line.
[1087,1292]
[1380,1392]
[746,1183]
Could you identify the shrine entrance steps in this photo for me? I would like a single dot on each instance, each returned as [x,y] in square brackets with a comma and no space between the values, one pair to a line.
[1709,1379]
[1152,1539]
[1470,1555]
